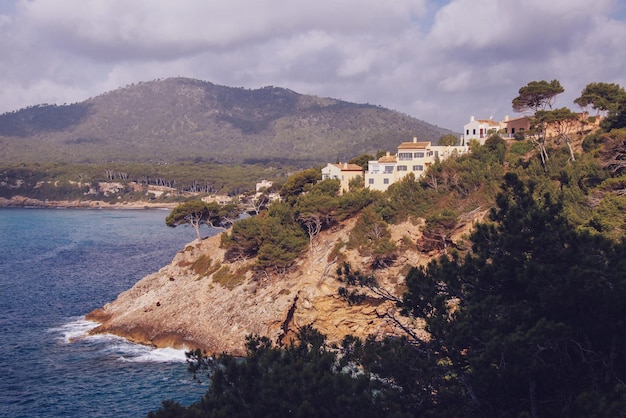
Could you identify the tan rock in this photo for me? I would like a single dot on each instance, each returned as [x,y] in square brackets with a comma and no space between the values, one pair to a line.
[181,308]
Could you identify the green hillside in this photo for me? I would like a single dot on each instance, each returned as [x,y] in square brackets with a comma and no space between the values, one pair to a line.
[180,119]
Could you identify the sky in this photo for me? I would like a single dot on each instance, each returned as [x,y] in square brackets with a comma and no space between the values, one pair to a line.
[441,61]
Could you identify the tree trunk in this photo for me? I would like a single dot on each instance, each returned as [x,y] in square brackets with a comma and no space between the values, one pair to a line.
[532,392]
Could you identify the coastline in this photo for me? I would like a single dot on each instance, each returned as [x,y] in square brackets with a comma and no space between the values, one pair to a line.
[26,202]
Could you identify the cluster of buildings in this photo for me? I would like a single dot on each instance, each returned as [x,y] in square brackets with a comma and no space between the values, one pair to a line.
[412,157]
[415,157]
[481,129]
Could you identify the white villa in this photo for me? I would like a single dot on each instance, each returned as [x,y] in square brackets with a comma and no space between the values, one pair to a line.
[412,157]
[479,129]
[343,172]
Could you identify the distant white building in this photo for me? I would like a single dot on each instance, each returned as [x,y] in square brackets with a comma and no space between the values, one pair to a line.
[344,172]
[412,157]
[479,129]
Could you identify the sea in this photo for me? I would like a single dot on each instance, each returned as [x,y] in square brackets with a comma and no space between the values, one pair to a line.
[56,265]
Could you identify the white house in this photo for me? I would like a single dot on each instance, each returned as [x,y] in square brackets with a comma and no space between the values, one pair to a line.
[343,172]
[479,129]
[381,173]
[412,157]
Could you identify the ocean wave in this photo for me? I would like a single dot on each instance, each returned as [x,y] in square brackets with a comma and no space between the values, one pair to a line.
[156,355]
[77,330]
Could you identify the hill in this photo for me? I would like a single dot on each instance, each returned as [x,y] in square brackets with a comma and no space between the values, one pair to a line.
[181,119]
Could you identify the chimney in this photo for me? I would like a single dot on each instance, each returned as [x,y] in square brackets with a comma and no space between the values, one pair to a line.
[345,165]
[472,119]
[415,140]
[506,118]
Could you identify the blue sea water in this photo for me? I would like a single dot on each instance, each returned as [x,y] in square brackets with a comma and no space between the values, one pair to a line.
[58,265]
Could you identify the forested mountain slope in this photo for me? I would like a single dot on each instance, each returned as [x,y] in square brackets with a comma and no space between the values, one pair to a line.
[181,119]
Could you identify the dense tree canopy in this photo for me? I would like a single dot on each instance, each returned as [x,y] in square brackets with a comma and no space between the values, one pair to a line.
[532,323]
[537,95]
[603,97]
[305,379]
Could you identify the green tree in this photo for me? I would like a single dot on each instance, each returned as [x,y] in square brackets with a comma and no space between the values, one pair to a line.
[282,243]
[299,183]
[371,237]
[197,213]
[529,324]
[449,139]
[303,379]
[538,96]
[316,209]
[563,121]
[605,98]
[362,160]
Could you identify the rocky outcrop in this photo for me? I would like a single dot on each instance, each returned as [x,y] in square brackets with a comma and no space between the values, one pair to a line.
[200,301]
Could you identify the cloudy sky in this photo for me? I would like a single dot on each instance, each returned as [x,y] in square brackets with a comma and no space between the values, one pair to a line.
[440,61]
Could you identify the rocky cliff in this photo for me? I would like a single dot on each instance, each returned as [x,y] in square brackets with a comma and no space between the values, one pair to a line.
[200,301]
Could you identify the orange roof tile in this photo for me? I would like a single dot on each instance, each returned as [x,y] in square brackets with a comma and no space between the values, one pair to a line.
[414,145]
[348,167]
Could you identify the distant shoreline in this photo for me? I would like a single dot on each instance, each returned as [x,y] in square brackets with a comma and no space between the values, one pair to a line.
[26,202]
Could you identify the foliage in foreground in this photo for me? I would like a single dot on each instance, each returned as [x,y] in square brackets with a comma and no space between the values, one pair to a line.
[304,379]
[532,322]
[529,324]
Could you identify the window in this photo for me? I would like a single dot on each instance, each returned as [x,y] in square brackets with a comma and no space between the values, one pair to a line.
[401,168]
[386,181]
[371,181]
[512,130]
[389,169]
[418,168]
[473,131]
[405,156]
[419,155]
[467,132]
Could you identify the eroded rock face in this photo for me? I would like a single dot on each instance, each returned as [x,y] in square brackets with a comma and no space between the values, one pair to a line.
[189,304]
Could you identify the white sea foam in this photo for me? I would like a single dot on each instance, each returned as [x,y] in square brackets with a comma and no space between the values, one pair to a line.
[156,355]
[117,347]
[75,330]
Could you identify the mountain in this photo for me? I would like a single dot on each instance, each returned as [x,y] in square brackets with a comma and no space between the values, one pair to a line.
[181,119]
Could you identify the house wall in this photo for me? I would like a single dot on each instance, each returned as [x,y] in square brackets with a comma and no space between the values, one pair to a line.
[343,172]
[478,129]
[412,157]
[510,127]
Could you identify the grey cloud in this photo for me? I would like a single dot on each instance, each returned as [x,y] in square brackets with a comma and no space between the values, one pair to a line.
[440,61]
